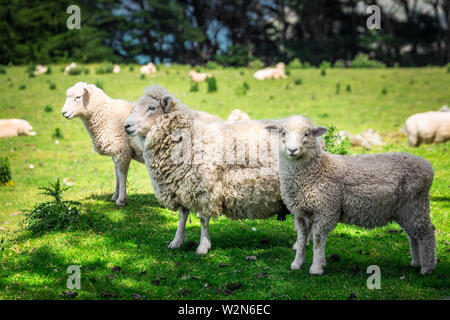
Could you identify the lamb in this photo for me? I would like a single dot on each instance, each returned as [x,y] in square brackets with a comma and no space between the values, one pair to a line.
[428,127]
[239,189]
[197,76]
[149,68]
[103,118]
[116,68]
[238,115]
[321,190]
[15,127]
[366,139]
[271,73]
[40,69]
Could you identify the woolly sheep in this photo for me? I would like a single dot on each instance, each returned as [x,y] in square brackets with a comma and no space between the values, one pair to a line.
[209,187]
[116,68]
[366,139]
[40,69]
[428,127]
[103,118]
[238,115]
[149,68]
[271,73]
[70,67]
[15,127]
[369,191]
[197,77]
[444,109]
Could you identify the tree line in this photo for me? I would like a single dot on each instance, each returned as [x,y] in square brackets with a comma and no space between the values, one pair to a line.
[231,32]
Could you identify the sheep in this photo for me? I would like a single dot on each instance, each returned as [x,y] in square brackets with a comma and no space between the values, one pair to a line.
[369,191]
[238,189]
[149,68]
[366,139]
[116,68]
[428,127]
[197,76]
[40,69]
[444,109]
[271,73]
[237,115]
[70,67]
[15,127]
[103,118]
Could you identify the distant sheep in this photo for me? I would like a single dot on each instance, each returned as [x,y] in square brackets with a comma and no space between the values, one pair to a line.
[116,68]
[15,127]
[197,76]
[70,67]
[369,191]
[366,139]
[149,68]
[444,109]
[238,115]
[271,73]
[40,69]
[428,127]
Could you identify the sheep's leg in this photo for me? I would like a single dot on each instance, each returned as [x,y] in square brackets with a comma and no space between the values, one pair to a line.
[180,235]
[205,242]
[116,192]
[427,252]
[122,172]
[319,242]
[415,257]
[302,226]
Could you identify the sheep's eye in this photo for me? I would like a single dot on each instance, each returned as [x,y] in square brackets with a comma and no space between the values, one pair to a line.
[77,97]
[306,133]
[283,134]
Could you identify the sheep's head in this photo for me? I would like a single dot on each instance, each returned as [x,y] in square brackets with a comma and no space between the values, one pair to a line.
[298,137]
[156,102]
[77,99]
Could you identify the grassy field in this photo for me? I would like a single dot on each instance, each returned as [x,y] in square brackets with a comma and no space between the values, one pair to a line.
[135,237]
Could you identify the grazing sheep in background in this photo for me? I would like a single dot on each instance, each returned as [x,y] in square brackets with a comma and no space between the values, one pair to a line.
[238,190]
[70,67]
[116,68]
[197,77]
[40,69]
[369,191]
[238,115]
[444,109]
[103,118]
[271,73]
[366,139]
[428,127]
[15,127]
[149,68]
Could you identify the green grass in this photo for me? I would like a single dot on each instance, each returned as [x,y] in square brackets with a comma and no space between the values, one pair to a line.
[136,237]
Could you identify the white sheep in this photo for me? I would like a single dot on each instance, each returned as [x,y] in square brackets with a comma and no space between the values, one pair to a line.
[271,73]
[116,68]
[15,127]
[241,185]
[70,67]
[198,76]
[428,127]
[369,191]
[149,68]
[238,115]
[103,118]
[40,69]
[366,139]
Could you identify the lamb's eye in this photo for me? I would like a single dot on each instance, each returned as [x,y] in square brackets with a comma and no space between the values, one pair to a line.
[306,133]
[283,134]
[151,108]
[77,97]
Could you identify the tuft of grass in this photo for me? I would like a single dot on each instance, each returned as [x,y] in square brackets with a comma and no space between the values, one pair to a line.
[131,68]
[212,84]
[338,88]
[105,69]
[298,81]
[384,91]
[51,215]
[52,86]
[22,87]
[75,71]
[49,70]
[99,84]
[5,171]
[323,72]
[194,87]
[142,77]
[334,143]
[48,109]
[57,134]
[348,88]
[2,70]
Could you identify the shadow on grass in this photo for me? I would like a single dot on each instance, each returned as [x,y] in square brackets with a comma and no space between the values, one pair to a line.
[135,237]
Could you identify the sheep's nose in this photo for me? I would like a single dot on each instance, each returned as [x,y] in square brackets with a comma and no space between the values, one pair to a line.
[127,125]
[292,151]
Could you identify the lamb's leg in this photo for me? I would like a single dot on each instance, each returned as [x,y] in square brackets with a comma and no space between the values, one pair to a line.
[319,243]
[116,192]
[427,252]
[205,242]
[302,226]
[122,170]
[180,235]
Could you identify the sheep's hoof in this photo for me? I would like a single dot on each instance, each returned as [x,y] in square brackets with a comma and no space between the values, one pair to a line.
[120,202]
[295,246]
[114,197]
[202,250]
[315,271]
[175,244]
[415,264]
[296,265]
[425,271]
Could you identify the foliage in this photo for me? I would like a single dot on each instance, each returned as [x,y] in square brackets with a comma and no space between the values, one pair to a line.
[104,69]
[256,64]
[340,63]
[298,81]
[48,109]
[448,67]
[5,171]
[194,87]
[52,215]
[338,88]
[295,63]
[22,87]
[75,71]
[52,86]
[334,143]
[49,70]
[2,70]
[363,61]
[57,134]
[99,84]
[325,65]
[242,90]
[212,84]
[211,65]
[235,56]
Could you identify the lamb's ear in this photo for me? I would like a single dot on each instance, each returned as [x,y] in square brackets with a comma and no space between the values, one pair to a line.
[271,127]
[318,131]
[166,102]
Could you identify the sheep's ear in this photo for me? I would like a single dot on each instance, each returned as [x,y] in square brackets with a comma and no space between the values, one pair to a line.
[86,91]
[166,102]
[318,131]
[271,127]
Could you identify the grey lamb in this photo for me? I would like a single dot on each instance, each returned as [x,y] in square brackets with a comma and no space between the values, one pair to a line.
[321,190]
